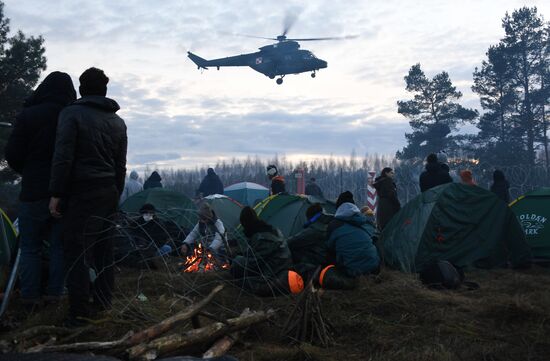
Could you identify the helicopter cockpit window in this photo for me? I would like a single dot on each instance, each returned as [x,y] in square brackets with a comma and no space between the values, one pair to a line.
[308,56]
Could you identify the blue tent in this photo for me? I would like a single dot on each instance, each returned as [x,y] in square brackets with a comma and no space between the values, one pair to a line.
[247,193]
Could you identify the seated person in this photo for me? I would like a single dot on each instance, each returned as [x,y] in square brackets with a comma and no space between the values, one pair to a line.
[350,246]
[265,268]
[308,247]
[209,232]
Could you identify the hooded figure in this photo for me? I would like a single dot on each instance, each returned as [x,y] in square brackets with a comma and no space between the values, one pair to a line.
[209,232]
[434,175]
[313,189]
[277,181]
[211,184]
[500,186]
[388,203]
[350,242]
[132,186]
[29,152]
[154,181]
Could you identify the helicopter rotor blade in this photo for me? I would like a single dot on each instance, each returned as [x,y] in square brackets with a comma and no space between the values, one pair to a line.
[290,20]
[250,36]
[326,38]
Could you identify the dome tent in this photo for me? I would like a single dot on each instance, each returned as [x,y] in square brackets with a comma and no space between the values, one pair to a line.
[533,212]
[465,225]
[247,193]
[226,209]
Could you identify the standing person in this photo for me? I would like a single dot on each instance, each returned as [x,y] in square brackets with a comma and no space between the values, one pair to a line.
[88,172]
[29,152]
[154,181]
[500,186]
[132,186]
[434,174]
[277,181]
[211,184]
[313,189]
[388,203]
[466,177]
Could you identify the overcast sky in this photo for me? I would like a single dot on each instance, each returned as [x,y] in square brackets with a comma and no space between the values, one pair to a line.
[180,117]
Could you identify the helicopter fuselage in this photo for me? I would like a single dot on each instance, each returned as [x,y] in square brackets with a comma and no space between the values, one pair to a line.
[272,60]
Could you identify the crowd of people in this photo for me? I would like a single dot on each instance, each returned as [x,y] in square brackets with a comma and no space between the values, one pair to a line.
[71,154]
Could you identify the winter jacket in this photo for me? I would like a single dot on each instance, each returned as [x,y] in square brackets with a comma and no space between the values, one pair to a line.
[211,184]
[434,175]
[278,185]
[313,189]
[211,236]
[350,241]
[308,247]
[154,181]
[31,144]
[388,203]
[502,189]
[90,147]
[132,186]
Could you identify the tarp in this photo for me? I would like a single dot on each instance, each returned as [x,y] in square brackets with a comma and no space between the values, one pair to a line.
[247,193]
[533,212]
[288,212]
[7,247]
[466,225]
[170,205]
[227,209]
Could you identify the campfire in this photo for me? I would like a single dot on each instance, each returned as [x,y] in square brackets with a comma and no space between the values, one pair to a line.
[202,260]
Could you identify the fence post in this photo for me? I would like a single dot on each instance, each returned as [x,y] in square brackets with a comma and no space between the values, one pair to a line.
[372,199]
[300,181]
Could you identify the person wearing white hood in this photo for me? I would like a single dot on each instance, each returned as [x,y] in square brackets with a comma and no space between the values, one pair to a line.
[132,186]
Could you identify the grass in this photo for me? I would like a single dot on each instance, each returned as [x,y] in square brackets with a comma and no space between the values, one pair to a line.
[388,317]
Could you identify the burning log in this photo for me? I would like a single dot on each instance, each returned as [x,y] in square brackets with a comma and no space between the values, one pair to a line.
[169,344]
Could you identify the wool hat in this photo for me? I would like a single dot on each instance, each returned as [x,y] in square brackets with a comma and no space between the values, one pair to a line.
[467,177]
[205,212]
[147,208]
[345,197]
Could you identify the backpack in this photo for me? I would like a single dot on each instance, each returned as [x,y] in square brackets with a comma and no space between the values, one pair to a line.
[443,274]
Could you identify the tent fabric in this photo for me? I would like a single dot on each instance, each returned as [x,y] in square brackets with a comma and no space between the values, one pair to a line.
[247,193]
[227,209]
[8,237]
[288,212]
[465,225]
[533,212]
[170,205]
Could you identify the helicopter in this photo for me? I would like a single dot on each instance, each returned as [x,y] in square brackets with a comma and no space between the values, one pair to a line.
[279,59]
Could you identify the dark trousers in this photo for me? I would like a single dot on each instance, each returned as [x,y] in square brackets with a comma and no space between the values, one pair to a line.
[88,244]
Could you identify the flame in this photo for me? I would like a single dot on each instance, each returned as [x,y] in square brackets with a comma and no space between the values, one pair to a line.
[202,261]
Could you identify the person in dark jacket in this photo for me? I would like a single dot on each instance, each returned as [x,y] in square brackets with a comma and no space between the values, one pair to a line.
[434,175]
[88,173]
[388,203]
[154,181]
[29,152]
[277,181]
[308,247]
[350,239]
[266,266]
[313,189]
[211,184]
[500,186]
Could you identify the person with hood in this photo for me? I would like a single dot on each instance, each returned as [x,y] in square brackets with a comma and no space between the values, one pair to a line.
[313,189]
[434,174]
[500,186]
[277,181]
[388,203]
[154,181]
[211,184]
[132,186]
[308,247]
[88,173]
[266,266]
[351,250]
[29,152]
[208,232]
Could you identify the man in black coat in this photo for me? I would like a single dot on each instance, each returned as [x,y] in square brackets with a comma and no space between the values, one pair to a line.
[434,175]
[313,189]
[88,173]
[29,152]
[211,184]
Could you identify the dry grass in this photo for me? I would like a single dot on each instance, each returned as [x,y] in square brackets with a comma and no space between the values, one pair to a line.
[389,317]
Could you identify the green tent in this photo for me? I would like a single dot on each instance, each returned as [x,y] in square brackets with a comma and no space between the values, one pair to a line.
[7,247]
[170,205]
[227,209]
[533,212]
[466,225]
[288,212]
